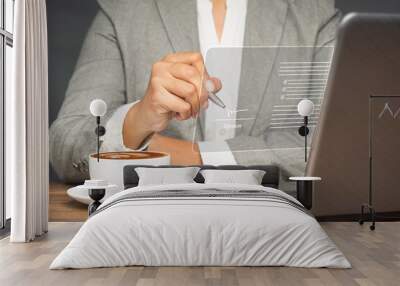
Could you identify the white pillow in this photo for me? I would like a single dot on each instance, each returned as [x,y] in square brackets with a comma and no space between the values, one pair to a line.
[245,177]
[166,176]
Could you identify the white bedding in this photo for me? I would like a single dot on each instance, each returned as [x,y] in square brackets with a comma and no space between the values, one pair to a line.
[200,231]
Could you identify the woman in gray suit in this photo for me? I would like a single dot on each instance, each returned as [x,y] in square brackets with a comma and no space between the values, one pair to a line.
[144,59]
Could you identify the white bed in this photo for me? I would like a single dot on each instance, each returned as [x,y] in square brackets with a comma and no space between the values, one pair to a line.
[185,230]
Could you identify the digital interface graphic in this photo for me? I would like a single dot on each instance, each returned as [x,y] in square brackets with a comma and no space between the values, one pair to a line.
[261,88]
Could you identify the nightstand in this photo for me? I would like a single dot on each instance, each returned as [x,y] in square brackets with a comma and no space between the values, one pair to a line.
[305,189]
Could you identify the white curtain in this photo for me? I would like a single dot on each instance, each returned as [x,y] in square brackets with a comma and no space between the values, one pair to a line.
[27,124]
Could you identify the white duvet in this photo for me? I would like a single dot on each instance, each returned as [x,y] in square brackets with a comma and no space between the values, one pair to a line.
[200,231]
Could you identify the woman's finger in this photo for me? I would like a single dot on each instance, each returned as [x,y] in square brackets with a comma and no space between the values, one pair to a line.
[175,104]
[216,84]
[189,74]
[184,90]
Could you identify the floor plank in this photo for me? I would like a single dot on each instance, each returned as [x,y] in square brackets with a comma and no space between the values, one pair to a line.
[63,208]
[375,257]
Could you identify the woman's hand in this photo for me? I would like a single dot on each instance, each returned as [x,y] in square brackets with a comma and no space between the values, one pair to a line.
[175,90]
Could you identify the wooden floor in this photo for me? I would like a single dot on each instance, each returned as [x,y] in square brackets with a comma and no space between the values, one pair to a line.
[375,257]
[63,208]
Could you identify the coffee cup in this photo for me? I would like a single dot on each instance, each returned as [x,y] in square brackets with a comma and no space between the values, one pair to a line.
[110,166]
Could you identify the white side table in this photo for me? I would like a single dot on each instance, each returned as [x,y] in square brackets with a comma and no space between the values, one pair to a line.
[305,189]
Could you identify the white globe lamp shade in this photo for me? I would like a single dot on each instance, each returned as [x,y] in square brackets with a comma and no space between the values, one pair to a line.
[305,107]
[98,107]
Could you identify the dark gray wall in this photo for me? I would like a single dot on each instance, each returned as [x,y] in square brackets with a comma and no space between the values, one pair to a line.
[381,6]
[68,21]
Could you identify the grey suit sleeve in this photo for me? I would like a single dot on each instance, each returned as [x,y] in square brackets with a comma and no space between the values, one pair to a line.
[257,149]
[99,73]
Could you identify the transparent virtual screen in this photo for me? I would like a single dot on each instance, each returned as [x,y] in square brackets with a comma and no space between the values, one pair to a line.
[261,88]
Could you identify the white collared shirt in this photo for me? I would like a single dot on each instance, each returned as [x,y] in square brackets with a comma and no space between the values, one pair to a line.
[223,60]
[219,124]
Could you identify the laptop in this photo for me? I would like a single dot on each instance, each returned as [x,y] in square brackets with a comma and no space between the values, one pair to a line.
[357,140]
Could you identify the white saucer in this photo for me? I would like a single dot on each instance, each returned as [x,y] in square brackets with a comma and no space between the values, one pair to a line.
[81,194]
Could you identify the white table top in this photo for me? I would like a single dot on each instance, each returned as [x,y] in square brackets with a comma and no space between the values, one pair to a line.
[81,194]
[305,178]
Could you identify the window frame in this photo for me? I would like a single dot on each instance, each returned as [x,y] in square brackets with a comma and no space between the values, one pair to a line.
[6,39]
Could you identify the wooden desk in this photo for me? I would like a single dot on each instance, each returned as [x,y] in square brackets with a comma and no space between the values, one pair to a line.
[62,207]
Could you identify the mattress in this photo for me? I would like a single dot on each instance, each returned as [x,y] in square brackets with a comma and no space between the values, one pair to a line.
[201,225]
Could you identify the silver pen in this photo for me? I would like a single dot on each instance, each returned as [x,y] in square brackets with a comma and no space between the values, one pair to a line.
[212,96]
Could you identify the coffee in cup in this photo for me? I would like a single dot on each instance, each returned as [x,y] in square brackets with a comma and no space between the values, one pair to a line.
[110,166]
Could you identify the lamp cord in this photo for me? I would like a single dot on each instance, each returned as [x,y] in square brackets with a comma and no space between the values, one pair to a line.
[98,138]
[305,138]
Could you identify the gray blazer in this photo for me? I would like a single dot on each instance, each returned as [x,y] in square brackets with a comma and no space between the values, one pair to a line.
[128,36]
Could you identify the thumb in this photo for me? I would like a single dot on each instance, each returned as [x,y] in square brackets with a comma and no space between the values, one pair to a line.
[213,84]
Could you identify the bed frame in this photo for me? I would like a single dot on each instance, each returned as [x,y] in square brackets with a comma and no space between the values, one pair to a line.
[270,179]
